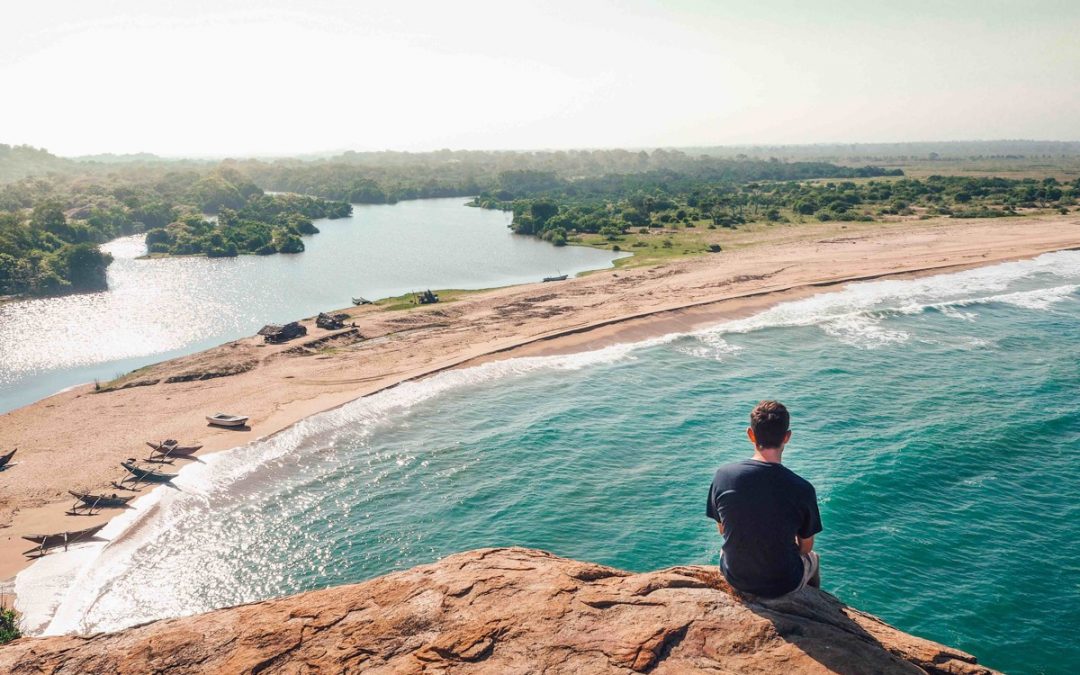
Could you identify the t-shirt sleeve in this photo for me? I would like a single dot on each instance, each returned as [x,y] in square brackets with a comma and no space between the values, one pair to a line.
[811,518]
[710,506]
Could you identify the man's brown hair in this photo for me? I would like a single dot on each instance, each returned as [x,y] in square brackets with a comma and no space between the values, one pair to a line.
[769,420]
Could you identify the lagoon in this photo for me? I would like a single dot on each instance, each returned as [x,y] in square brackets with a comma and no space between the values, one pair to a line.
[157,309]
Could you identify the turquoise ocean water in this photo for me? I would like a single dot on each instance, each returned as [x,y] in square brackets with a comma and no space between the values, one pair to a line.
[938,418]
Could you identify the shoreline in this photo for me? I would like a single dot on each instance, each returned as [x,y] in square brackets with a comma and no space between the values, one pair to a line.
[690,302]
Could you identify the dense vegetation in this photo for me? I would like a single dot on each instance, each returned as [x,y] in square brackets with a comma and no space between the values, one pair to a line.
[50,225]
[556,210]
[54,211]
[52,218]
[265,224]
[9,626]
[386,177]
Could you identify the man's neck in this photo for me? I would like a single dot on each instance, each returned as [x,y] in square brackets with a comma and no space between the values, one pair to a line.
[770,455]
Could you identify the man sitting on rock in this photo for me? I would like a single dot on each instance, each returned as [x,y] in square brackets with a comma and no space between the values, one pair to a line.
[767,514]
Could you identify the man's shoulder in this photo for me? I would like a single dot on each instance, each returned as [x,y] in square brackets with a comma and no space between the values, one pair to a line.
[732,471]
[798,480]
[733,468]
[734,474]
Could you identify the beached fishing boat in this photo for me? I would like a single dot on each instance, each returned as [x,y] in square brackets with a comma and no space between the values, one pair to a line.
[148,475]
[4,459]
[275,334]
[560,277]
[65,539]
[173,448]
[223,420]
[105,501]
[360,301]
[330,321]
[87,504]
[428,298]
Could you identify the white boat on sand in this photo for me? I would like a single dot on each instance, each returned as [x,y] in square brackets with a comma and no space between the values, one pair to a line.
[224,420]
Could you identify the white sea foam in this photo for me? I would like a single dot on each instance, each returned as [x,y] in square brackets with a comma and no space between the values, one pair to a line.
[1040,298]
[62,592]
[954,312]
[710,346]
[856,314]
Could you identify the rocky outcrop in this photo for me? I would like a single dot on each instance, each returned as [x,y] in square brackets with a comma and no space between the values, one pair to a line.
[508,610]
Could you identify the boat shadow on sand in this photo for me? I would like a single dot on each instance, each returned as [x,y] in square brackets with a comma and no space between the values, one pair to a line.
[138,487]
[243,427]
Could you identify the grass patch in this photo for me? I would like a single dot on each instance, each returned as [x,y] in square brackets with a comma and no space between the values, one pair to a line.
[651,246]
[410,300]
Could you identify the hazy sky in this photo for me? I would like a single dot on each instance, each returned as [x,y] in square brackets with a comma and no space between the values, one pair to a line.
[229,77]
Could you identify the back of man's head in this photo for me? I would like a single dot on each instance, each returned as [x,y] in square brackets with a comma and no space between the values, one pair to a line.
[770,420]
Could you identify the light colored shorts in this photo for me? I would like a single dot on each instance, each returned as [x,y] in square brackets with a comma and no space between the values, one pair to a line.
[810,562]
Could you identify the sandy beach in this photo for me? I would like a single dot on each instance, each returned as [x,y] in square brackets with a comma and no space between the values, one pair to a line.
[76,439]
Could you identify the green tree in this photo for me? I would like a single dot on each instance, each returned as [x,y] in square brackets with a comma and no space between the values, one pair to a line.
[9,626]
[83,266]
[49,217]
[290,243]
[543,210]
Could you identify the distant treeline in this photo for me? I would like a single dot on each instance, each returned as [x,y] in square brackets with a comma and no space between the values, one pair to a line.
[890,152]
[54,211]
[555,209]
[387,177]
[52,220]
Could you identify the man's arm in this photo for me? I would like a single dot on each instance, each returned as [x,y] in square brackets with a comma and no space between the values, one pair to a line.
[811,525]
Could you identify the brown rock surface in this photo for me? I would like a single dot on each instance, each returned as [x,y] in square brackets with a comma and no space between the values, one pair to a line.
[508,611]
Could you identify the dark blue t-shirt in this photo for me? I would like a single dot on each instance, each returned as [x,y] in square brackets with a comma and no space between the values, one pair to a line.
[762,507]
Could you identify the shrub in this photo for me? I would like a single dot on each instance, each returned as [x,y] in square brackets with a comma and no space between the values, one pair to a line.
[9,626]
[291,244]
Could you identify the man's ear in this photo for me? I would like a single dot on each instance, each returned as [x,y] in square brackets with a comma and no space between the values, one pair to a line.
[750,435]
[787,437]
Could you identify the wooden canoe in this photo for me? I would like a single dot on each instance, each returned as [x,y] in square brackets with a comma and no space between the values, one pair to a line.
[104,501]
[173,450]
[149,475]
[47,541]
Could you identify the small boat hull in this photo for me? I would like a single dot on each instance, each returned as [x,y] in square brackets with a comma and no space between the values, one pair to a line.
[65,539]
[174,450]
[561,277]
[221,420]
[101,501]
[149,475]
